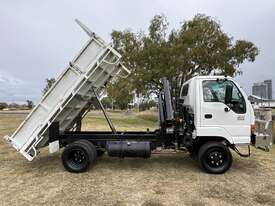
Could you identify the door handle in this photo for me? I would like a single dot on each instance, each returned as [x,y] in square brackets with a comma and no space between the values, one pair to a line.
[208,116]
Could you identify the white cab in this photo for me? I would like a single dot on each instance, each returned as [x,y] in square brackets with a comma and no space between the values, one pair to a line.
[205,95]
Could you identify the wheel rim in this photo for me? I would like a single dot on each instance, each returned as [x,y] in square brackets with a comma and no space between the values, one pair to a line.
[77,158]
[216,159]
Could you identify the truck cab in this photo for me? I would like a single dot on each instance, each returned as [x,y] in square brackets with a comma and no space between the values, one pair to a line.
[217,117]
[220,108]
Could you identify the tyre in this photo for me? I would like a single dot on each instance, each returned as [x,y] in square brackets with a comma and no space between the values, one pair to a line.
[92,147]
[215,157]
[79,156]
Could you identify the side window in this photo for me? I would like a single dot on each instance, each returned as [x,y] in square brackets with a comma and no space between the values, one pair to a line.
[184,90]
[214,91]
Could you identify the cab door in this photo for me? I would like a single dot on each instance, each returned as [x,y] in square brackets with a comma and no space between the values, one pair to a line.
[218,119]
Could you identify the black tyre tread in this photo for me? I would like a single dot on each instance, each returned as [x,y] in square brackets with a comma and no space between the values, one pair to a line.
[88,147]
[203,149]
[91,147]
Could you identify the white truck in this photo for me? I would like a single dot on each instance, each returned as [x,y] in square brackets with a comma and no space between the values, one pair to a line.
[208,116]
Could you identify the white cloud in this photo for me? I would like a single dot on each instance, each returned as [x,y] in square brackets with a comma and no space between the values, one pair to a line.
[13,89]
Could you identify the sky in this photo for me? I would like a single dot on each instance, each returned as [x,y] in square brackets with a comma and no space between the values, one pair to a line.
[39,38]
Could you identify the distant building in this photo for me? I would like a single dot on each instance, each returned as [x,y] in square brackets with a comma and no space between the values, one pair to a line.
[263,89]
[269,88]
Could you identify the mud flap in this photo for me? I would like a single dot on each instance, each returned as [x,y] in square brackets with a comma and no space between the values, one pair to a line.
[54,146]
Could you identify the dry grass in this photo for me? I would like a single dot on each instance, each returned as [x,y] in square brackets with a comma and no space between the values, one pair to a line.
[168,179]
[122,120]
[148,115]
[273,117]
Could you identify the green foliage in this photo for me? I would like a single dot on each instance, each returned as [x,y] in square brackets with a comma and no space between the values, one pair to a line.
[146,105]
[107,102]
[121,94]
[199,46]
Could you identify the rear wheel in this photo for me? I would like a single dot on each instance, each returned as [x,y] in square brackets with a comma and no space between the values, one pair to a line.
[215,157]
[78,156]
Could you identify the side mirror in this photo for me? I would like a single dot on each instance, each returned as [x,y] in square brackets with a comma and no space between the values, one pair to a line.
[228,94]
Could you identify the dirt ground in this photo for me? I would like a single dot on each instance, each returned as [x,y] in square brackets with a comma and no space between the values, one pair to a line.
[165,179]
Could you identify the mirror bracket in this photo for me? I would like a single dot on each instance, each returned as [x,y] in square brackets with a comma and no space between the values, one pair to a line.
[227,109]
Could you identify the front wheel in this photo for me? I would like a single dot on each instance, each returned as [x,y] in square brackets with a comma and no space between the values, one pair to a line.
[215,157]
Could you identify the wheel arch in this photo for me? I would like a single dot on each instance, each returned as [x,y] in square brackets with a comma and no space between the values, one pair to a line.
[200,140]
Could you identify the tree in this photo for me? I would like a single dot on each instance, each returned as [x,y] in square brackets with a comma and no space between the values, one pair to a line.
[107,102]
[30,104]
[146,105]
[120,93]
[49,84]
[199,46]
[3,105]
[209,49]
[14,106]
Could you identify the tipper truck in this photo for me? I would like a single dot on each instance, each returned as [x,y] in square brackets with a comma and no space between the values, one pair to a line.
[209,116]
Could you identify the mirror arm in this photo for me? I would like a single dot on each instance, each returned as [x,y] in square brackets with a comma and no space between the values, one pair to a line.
[227,109]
